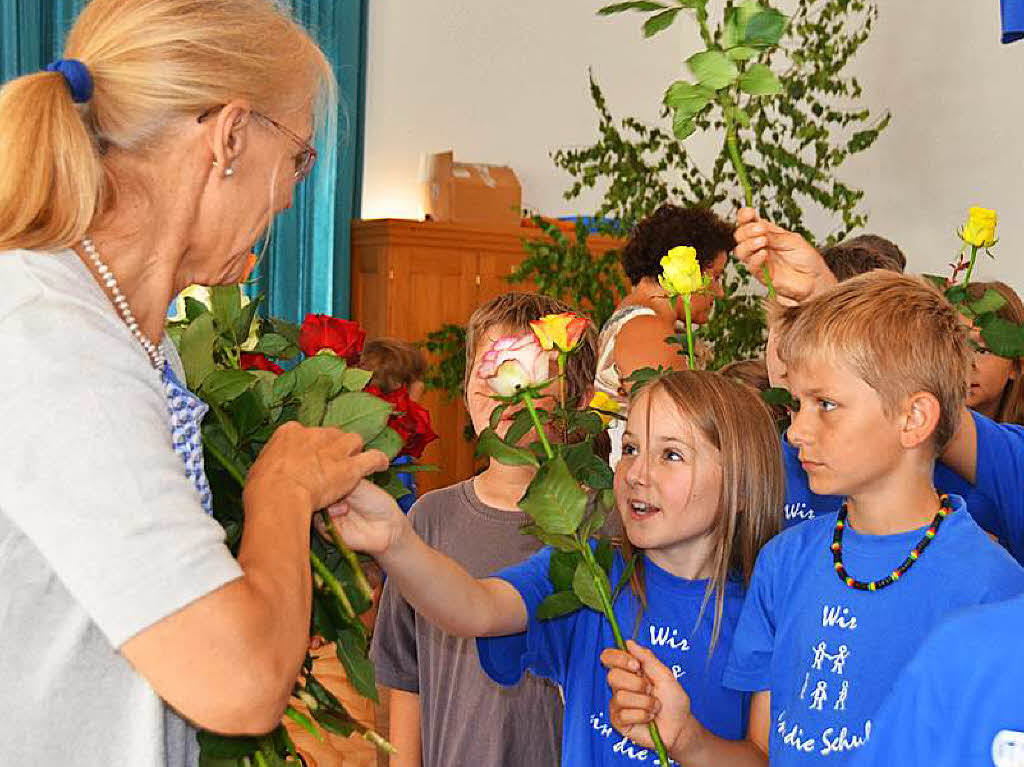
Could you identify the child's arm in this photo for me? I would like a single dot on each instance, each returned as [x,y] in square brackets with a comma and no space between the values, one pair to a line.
[437,587]
[797,269]
[404,728]
[961,454]
[644,689]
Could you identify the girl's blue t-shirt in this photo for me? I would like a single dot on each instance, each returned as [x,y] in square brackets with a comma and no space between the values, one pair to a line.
[828,653]
[567,651]
[958,701]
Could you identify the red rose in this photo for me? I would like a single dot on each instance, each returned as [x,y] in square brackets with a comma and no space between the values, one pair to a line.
[321,331]
[410,419]
[254,361]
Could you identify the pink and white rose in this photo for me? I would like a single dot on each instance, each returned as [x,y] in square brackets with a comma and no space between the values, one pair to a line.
[515,362]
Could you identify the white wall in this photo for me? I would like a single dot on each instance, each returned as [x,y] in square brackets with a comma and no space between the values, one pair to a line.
[503,82]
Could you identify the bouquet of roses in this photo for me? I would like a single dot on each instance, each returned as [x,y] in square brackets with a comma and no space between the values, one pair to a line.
[571,495]
[235,361]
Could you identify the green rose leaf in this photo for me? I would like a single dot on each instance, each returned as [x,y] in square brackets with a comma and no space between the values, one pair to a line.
[604,553]
[388,442]
[355,379]
[627,573]
[687,99]
[594,523]
[765,28]
[197,350]
[264,387]
[311,368]
[957,294]
[585,589]
[564,543]
[289,330]
[223,386]
[226,302]
[194,308]
[249,412]
[389,482]
[558,604]
[562,568]
[554,499]
[227,746]
[521,425]
[359,413]
[490,444]
[243,325]
[313,403]
[272,344]
[284,384]
[660,21]
[351,651]
[991,301]
[759,80]
[713,69]
[1003,338]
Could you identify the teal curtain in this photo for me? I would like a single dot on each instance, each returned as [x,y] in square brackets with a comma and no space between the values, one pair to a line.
[306,266]
[32,33]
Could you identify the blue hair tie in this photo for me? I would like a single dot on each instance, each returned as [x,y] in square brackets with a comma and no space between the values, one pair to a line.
[77,76]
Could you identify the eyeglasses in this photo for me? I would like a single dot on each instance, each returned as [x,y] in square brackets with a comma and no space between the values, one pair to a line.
[303,160]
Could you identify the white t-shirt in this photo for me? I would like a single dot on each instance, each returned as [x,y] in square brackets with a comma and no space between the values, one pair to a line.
[101,533]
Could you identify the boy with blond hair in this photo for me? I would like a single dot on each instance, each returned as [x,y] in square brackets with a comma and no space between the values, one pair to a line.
[838,604]
[444,708]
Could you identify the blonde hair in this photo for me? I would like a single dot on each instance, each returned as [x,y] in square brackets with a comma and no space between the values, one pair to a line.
[152,62]
[733,418]
[514,312]
[897,333]
[1011,403]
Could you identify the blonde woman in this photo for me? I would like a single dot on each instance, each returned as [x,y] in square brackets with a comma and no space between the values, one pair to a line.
[151,157]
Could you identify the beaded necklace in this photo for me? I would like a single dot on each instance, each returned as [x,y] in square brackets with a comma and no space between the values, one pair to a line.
[153,351]
[945,507]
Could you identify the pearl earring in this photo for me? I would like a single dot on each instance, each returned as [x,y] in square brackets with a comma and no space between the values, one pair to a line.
[228,171]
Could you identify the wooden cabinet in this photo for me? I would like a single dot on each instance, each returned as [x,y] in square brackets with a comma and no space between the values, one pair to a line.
[411,277]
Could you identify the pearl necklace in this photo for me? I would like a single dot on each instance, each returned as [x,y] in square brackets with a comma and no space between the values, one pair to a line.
[156,355]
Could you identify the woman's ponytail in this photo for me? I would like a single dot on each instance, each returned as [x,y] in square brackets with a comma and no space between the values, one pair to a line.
[51,177]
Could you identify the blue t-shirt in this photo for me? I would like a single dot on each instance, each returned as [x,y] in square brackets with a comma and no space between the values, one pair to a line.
[803,504]
[828,653]
[1013,19]
[567,651]
[958,701]
[1000,476]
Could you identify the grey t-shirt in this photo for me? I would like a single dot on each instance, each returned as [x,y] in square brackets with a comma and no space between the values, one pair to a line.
[101,533]
[465,718]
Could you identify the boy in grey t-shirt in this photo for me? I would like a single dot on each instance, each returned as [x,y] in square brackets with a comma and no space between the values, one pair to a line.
[464,717]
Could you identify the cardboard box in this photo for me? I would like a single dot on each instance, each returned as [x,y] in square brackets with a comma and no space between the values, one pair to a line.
[471,193]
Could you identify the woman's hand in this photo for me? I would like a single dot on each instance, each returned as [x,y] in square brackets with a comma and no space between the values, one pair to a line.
[368,519]
[644,689]
[797,269]
[323,463]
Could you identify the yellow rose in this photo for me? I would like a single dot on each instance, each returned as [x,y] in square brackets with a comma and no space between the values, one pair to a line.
[605,404]
[980,229]
[559,331]
[680,272]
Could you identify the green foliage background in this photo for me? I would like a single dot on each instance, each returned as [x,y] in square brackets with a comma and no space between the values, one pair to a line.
[792,144]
